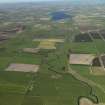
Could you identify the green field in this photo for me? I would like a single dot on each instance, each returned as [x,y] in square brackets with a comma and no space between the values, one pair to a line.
[16,86]
[57,81]
[85,70]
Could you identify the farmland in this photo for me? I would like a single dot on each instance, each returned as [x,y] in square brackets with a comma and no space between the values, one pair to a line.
[48,43]
[46,61]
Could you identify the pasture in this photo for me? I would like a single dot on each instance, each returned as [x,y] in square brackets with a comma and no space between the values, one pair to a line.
[94,72]
[49,63]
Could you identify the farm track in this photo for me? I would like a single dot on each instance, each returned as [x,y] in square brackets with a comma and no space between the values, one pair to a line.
[31,83]
[83,79]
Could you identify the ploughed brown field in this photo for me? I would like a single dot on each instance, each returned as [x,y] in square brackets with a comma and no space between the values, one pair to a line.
[23,67]
[83,59]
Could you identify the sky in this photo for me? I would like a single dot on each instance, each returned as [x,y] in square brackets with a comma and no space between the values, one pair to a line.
[9,1]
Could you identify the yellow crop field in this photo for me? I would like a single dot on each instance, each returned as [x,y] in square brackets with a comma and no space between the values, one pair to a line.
[47,45]
[50,40]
